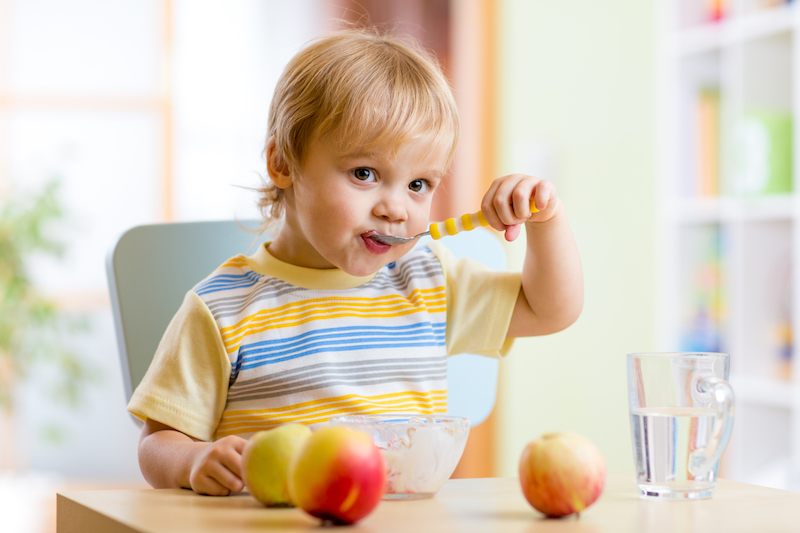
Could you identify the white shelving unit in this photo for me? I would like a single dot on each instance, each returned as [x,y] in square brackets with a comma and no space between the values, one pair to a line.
[729,260]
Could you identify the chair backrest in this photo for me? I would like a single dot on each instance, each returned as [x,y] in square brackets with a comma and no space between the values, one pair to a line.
[161,262]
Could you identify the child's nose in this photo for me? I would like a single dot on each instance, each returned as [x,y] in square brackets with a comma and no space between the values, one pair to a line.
[390,208]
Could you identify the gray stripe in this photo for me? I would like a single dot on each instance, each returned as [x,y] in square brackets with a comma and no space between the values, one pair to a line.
[234,306]
[280,287]
[346,383]
[301,377]
[415,264]
[417,267]
[403,279]
[320,366]
[301,381]
[271,288]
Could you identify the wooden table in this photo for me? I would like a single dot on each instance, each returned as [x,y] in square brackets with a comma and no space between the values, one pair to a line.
[490,505]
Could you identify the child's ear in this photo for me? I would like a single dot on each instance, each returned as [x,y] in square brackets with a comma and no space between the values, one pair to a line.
[279,171]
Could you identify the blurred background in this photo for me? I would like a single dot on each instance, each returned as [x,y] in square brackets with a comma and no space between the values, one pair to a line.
[665,126]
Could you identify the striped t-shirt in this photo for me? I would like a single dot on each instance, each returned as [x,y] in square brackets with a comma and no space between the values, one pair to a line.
[260,343]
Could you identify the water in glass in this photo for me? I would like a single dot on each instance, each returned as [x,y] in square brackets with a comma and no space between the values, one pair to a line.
[667,444]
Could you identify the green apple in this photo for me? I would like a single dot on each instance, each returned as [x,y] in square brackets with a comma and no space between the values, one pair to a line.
[266,459]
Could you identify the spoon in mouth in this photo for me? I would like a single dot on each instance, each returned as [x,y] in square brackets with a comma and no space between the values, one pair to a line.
[396,239]
[437,230]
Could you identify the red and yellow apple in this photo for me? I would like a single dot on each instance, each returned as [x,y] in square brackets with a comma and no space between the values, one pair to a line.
[266,458]
[561,473]
[338,475]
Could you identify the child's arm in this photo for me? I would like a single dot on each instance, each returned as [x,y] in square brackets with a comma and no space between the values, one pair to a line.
[171,459]
[551,297]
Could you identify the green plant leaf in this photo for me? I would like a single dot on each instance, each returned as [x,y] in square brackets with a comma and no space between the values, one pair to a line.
[31,328]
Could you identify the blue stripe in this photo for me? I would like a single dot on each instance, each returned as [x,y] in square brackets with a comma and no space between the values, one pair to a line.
[344,331]
[340,349]
[216,288]
[235,372]
[230,281]
[227,282]
[337,339]
[229,277]
[259,355]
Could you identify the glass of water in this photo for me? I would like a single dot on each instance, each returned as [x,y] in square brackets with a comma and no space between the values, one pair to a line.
[681,409]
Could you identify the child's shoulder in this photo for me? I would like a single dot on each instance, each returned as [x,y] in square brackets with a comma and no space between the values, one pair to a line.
[235,273]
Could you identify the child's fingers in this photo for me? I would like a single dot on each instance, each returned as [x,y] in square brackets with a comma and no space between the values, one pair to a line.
[218,470]
[204,483]
[232,458]
[499,202]
[488,208]
[512,232]
[543,193]
[216,479]
[223,475]
[230,461]
[521,199]
[508,196]
[234,466]
[507,203]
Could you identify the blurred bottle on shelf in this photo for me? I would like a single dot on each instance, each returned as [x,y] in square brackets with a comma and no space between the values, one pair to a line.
[716,9]
[703,307]
[783,334]
[760,5]
[762,155]
[708,144]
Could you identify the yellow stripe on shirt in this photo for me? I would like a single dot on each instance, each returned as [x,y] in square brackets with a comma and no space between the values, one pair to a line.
[316,411]
[434,295]
[237,262]
[272,423]
[298,313]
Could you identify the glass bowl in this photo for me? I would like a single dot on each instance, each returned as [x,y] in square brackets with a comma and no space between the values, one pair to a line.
[420,451]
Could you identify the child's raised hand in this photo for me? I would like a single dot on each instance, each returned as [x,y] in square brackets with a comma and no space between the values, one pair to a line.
[507,203]
[217,470]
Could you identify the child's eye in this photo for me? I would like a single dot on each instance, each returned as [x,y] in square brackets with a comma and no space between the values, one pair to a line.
[418,185]
[364,174]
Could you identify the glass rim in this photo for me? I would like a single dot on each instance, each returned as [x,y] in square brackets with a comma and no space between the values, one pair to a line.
[665,355]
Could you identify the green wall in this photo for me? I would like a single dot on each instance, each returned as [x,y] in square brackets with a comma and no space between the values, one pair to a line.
[577,106]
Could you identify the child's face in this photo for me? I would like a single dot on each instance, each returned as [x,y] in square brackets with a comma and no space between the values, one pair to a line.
[335,201]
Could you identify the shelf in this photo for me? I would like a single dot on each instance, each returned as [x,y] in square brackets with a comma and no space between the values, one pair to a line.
[700,39]
[713,36]
[774,207]
[763,391]
[725,210]
[764,23]
[729,257]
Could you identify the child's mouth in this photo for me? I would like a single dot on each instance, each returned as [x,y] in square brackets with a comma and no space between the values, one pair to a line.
[373,246]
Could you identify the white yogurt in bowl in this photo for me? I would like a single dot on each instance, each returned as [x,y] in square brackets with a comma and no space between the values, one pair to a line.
[420,451]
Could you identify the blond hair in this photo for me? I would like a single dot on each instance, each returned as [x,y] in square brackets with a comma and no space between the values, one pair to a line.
[372,90]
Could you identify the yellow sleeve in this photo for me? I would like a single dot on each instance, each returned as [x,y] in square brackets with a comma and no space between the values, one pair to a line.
[480,302]
[186,386]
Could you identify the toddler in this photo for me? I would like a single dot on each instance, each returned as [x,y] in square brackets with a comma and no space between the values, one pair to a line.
[325,320]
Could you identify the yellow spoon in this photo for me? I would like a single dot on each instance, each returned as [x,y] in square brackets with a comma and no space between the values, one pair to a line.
[437,230]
